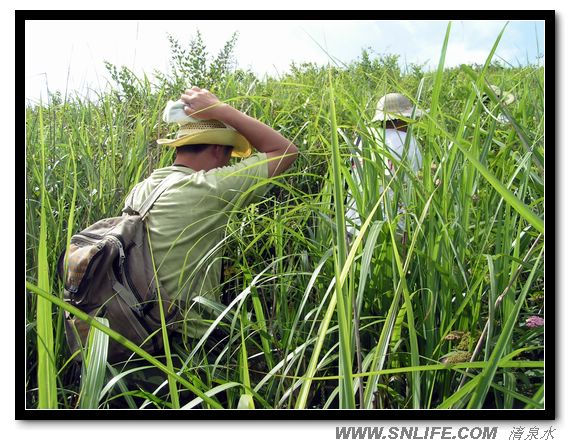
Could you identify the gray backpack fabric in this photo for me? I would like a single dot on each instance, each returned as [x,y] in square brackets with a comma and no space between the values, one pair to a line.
[110,274]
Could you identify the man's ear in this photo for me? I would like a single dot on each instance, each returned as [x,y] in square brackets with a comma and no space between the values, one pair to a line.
[222,151]
[218,150]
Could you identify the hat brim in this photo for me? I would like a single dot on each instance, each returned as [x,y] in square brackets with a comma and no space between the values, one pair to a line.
[215,136]
[389,116]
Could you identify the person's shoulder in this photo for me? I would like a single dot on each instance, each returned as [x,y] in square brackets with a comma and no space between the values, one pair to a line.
[159,174]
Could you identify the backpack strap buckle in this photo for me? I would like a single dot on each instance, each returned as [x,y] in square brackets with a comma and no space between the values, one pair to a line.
[129,298]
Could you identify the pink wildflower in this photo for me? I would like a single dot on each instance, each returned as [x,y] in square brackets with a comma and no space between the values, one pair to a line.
[534,321]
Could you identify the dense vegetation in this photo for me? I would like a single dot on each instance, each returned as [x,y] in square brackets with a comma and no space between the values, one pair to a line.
[435,316]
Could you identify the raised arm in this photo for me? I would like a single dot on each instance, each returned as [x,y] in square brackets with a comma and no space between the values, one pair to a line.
[281,152]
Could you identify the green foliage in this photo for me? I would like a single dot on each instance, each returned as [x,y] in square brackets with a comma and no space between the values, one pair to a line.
[429,315]
[191,66]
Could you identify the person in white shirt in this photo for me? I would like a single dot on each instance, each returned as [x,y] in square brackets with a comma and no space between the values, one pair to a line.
[396,145]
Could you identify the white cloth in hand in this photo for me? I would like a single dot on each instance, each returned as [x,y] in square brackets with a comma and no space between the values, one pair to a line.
[174,113]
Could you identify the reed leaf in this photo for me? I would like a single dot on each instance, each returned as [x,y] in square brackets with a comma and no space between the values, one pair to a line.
[490,369]
[94,366]
[47,390]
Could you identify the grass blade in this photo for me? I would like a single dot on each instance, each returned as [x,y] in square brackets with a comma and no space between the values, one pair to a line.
[165,341]
[46,360]
[342,294]
[488,373]
[94,367]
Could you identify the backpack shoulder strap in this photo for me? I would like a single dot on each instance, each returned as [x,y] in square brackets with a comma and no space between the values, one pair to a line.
[168,181]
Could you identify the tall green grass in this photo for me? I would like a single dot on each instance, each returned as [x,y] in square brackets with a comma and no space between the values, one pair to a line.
[431,316]
[47,391]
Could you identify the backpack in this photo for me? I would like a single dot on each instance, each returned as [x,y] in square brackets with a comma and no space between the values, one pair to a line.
[110,274]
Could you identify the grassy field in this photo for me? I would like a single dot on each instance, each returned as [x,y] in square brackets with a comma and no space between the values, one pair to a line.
[432,317]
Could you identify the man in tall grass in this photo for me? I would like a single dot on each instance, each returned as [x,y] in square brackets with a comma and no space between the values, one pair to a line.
[398,148]
[187,223]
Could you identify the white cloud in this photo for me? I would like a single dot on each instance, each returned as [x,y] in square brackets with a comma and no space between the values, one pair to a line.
[460,52]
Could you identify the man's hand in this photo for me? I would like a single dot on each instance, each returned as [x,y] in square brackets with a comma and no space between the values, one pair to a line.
[281,152]
[201,103]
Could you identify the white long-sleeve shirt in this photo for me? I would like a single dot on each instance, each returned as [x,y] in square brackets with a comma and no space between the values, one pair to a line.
[394,143]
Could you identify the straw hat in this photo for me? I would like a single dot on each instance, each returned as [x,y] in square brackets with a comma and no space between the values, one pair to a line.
[202,131]
[393,106]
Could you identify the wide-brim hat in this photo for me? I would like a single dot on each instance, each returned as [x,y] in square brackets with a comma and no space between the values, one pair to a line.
[395,106]
[202,131]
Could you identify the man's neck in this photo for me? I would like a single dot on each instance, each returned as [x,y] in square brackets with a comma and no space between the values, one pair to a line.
[398,125]
[195,162]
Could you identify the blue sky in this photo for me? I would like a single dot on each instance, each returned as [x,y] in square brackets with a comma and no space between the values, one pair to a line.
[72,52]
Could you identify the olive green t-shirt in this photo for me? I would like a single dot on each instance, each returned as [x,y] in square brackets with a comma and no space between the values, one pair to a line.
[187,229]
